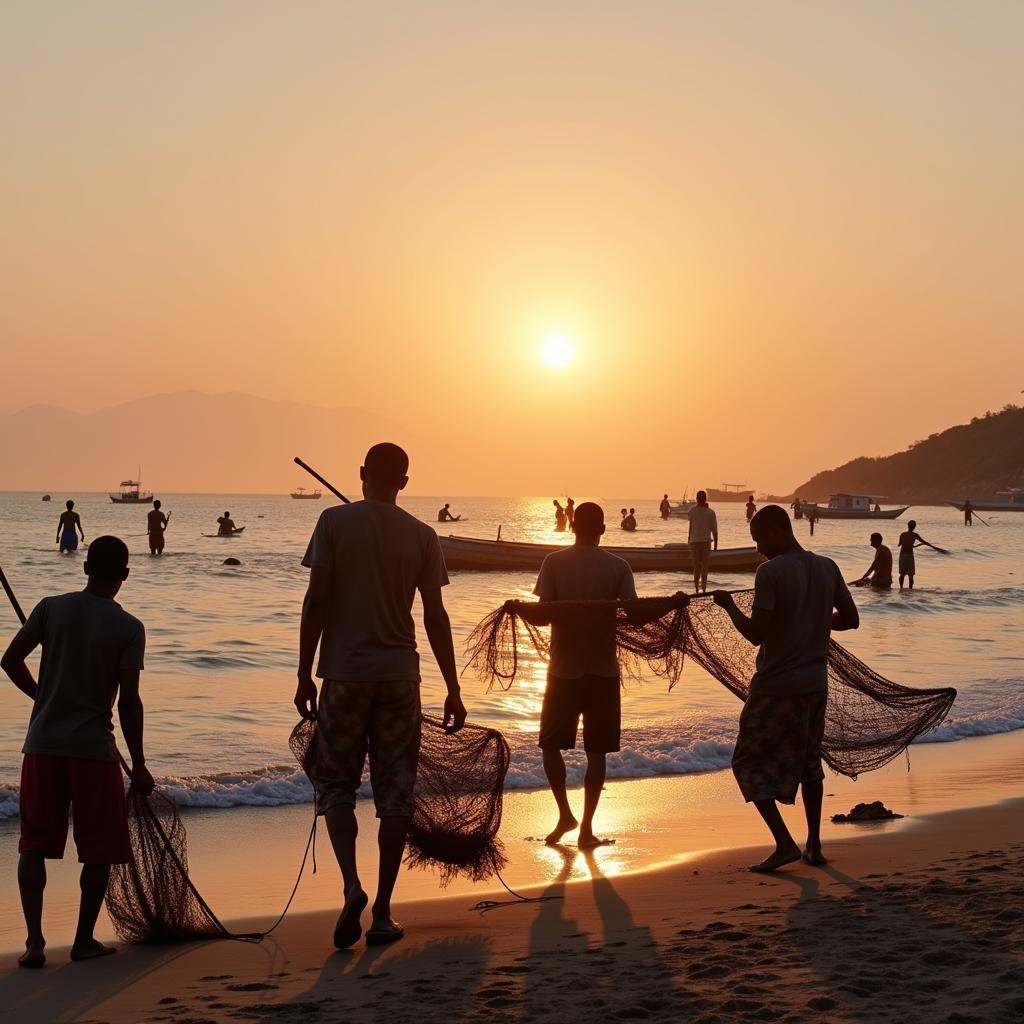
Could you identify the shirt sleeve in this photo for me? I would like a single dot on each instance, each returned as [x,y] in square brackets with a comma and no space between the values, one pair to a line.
[764,588]
[545,588]
[134,655]
[433,574]
[319,552]
[35,623]
[842,591]
[627,585]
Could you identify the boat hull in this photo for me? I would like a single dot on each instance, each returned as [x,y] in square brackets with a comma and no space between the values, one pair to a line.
[471,554]
[990,506]
[824,512]
[141,499]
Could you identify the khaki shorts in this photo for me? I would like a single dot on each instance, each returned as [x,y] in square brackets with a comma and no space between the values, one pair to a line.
[354,719]
[597,699]
[779,745]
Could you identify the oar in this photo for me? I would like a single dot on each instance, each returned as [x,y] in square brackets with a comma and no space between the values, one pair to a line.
[11,597]
[976,516]
[316,476]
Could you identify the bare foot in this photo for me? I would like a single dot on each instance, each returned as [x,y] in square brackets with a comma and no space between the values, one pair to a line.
[813,855]
[383,931]
[33,955]
[786,855]
[588,841]
[349,927]
[90,950]
[564,825]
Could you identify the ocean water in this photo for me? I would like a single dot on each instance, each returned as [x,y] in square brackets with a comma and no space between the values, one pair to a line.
[221,656]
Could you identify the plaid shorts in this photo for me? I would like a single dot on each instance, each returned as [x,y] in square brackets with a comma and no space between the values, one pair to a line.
[354,719]
[779,745]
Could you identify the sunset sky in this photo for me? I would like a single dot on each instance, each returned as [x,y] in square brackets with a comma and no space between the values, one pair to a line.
[772,236]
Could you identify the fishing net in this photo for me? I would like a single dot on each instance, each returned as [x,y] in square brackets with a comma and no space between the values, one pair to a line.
[869,719]
[460,779]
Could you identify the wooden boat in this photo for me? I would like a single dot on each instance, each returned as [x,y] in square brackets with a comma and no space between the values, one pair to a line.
[301,494]
[851,506]
[471,553]
[1006,501]
[131,493]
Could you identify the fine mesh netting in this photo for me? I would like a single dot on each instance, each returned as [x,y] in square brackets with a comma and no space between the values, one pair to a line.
[455,823]
[869,719]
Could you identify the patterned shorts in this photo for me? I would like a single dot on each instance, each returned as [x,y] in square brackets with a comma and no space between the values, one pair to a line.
[779,745]
[354,719]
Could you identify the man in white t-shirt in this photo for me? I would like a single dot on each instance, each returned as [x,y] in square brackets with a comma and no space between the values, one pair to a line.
[703,533]
[367,560]
[799,598]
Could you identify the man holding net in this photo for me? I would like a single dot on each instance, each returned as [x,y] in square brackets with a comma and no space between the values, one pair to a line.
[367,560]
[92,655]
[799,598]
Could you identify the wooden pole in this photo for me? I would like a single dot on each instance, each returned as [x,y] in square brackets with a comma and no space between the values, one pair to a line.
[316,476]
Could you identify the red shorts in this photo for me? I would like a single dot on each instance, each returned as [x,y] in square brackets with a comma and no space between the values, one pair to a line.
[92,790]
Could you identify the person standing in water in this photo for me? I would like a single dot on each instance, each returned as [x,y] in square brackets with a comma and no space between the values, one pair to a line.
[909,540]
[703,532]
[665,508]
[879,573]
[156,526]
[570,512]
[559,516]
[799,599]
[226,525]
[969,513]
[68,527]
[367,560]
[630,521]
[751,508]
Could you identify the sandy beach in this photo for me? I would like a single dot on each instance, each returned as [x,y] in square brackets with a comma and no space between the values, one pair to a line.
[922,924]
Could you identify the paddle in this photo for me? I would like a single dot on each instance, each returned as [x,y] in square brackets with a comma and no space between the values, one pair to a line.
[316,476]
[976,516]
[11,597]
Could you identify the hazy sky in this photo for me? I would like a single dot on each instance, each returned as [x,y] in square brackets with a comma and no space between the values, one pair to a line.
[779,235]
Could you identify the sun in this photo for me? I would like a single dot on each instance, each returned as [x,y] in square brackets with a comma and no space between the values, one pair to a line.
[557,350]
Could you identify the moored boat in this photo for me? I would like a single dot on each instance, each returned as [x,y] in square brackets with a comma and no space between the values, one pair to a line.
[472,553]
[851,506]
[1006,501]
[131,493]
[301,494]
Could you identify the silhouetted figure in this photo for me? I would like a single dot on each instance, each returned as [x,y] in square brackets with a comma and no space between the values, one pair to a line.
[68,527]
[570,512]
[665,508]
[799,598]
[629,523]
[702,534]
[798,508]
[583,671]
[444,515]
[879,573]
[623,512]
[156,525]
[92,655]
[751,508]
[559,516]
[367,560]
[812,519]
[226,525]
[909,540]
[969,513]
[878,508]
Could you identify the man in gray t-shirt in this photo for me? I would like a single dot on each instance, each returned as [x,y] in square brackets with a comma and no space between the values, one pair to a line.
[367,560]
[799,598]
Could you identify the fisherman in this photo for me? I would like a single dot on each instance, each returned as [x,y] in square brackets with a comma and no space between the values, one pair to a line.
[67,525]
[799,598]
[157,526]
[92,655]
[623,512]
[703,532]
[559,516]
[570,512]
[798,508]
[665,508]
[444,515]
[629,523]
[583,671]
[879,573]
[225,525]
[751,508]
[969,513]
[812,518]
[367,560]
[909,540]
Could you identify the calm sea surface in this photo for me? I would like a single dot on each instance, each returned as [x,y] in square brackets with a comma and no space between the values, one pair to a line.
[220,666]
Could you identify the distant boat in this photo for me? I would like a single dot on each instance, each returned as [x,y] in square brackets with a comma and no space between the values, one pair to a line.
[851,506]
[131,493]
[471,553]
[1006,501]
[301,494]
[682,508]
[45,497]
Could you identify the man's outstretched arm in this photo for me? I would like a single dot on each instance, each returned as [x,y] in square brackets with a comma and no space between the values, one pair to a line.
[14,663]
[311,628]
[439,634]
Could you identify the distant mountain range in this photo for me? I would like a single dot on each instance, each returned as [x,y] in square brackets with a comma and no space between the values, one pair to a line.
[973,460]
[187,441]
